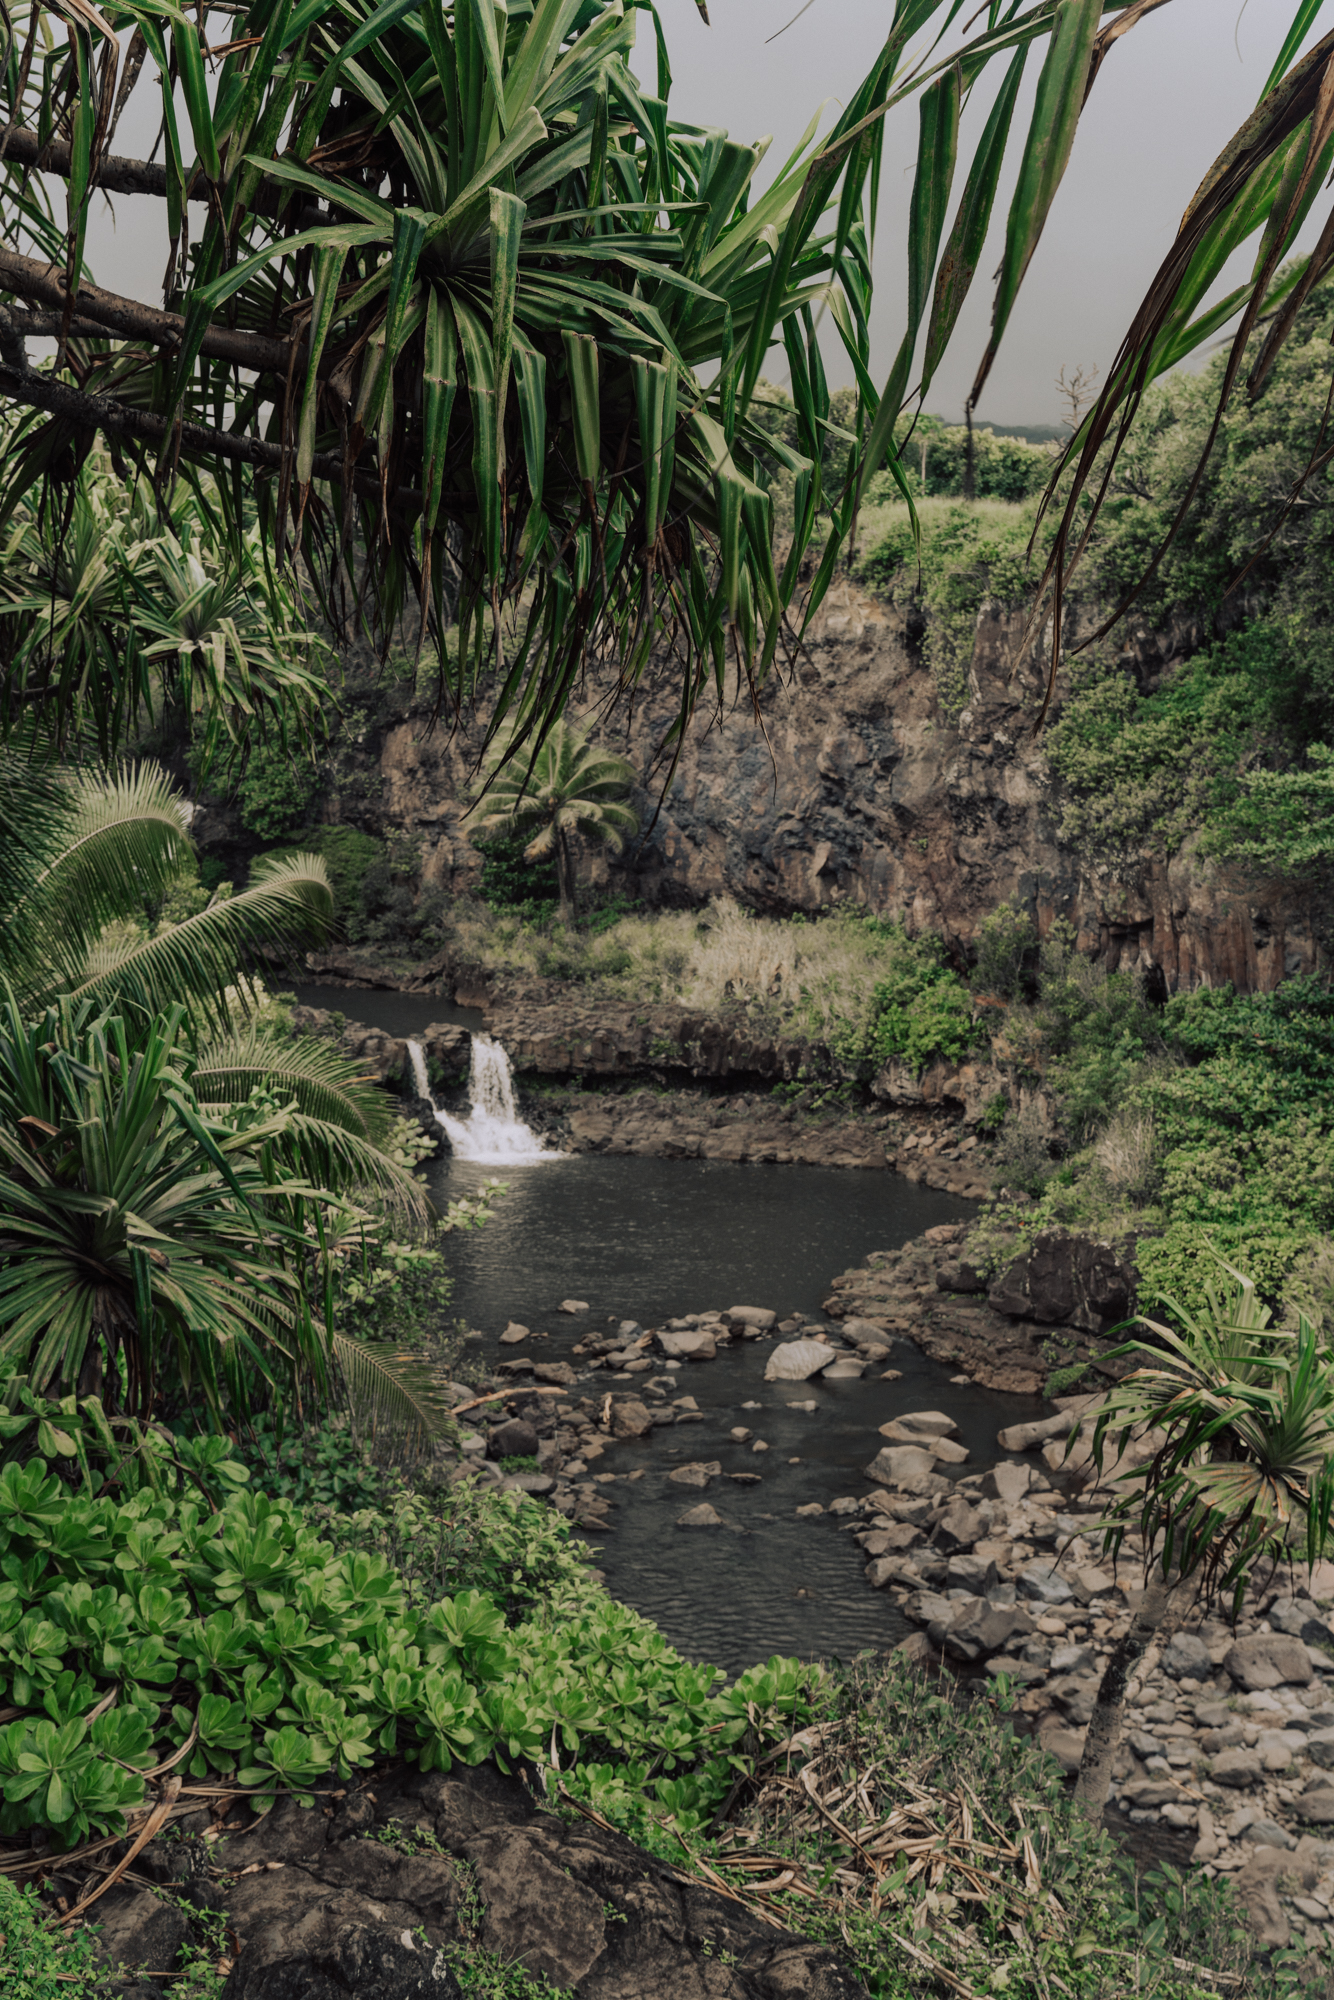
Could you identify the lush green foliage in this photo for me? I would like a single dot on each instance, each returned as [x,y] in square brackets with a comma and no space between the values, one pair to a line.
[560,793]
[922,1012]
[37,1962]
[221,1620]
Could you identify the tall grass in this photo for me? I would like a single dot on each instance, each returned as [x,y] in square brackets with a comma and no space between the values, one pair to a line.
[814,976]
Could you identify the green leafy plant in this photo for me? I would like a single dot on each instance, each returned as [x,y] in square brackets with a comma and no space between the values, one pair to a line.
[557,794]
[37,1962]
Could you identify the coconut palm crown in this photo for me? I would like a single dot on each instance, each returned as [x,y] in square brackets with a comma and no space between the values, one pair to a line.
[566,789]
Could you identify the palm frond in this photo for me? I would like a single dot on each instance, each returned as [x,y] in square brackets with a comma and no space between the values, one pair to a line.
[335,1137]
[197,961]
[395,1399]
[125,839]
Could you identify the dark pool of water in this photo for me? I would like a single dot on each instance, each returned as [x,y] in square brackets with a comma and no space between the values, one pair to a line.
[650,1239]
[395,1013]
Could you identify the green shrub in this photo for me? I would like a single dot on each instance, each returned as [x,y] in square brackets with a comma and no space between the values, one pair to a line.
[920,1013]
[215,1612]
[511,882]
[277,791]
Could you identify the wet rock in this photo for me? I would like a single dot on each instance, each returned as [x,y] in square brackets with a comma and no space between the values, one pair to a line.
[758,1317]
[140,1929]
[698,1474]
[702,1516]
[959,1274]
[513,1334]
[360,1959]
[697,1346]
[897,1463]
[573,1306]
[1269,1660]
[869,1332]
[1065,1280]
[515,1439]
[950,1451]
[558,1373]
[630,1419]
[921,1425]
[809,1511]
[797,1361]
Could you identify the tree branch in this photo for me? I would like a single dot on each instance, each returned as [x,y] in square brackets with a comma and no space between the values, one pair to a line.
[43,285]
[118,175]
[104,413]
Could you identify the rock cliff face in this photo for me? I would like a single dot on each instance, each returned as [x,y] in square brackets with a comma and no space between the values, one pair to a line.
[850,785]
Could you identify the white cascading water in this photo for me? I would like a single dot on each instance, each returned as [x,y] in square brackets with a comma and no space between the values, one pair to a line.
[493,1134]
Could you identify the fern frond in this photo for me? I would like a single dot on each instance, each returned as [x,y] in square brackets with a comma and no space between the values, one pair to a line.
[395,1399]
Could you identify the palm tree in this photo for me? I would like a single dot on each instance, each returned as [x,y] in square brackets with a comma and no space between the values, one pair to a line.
[563,790]
[1244,1476]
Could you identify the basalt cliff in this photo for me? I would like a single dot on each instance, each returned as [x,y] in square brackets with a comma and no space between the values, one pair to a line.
[846,782]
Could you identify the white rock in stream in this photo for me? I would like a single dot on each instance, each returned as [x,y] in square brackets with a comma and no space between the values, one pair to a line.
[797,1361]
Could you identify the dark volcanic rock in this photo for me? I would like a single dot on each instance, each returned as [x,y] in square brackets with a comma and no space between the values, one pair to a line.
[324,1913]
[1066,1280]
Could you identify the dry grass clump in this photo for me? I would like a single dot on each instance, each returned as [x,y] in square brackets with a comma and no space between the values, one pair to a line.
[810,974]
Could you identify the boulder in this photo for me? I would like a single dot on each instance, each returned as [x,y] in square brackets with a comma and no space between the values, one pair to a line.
[516,1439]
[959,1274]
[698,1474]
[1317,1807]
[758,1317]
[868,1332]
[630,1418]
[702,1516]
[1256,1887]
[1066,1745]
[1006,1482]
[513,1334]
[1043,1583]
[797,1360]
[1186,1657]
[699,1346]
[1066,1280]
[558,1373]
[897,1463]
[958,1527]
[922,1424]
[977,1628]
[1237,1769]
[949,1450]
[1320,1748]
[973,1572]
[1269,1660]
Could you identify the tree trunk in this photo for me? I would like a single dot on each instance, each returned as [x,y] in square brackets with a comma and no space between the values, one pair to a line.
[1155,1615]
[565,877]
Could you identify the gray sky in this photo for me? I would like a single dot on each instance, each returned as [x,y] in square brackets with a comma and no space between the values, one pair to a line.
[1169,96]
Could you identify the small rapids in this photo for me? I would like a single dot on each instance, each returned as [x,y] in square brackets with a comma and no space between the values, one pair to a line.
[493,1134]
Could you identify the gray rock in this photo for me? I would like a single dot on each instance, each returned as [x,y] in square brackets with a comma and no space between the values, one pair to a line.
[976,1628]
[758,1317]
[1317,1807]
[688,1346]
[1237,1769]
[1143,1744]
[797,1361]
[513,1334]
[867,1332]
[702,1516]
[1064,1744]
[516,1439]
[974,1573]
[1186,1657]
[922,1424]
[958,1274]
[847,1368]
[1023,1437]
[1073,1660]
[925,1606]
[897,1463]
[1006,1482]
[1269,1660]
[1320,1748]
[949,1450]
[958,1527]
[1277,1748]
[573,1306]
[528,1482]
[697,1474]
[1043,1583]
[1268,1833]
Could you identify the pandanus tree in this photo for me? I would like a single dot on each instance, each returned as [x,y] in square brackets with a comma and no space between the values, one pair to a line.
[477,326]
[1241,1482]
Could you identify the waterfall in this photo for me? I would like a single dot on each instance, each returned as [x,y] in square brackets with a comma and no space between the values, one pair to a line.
[493,1134]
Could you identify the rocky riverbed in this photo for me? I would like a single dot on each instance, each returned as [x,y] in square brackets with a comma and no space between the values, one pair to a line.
[1228,1759]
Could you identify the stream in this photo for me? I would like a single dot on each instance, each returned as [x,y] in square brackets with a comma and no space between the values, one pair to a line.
[651,1239]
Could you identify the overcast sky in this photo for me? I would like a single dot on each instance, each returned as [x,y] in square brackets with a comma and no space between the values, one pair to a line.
[1168,98]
